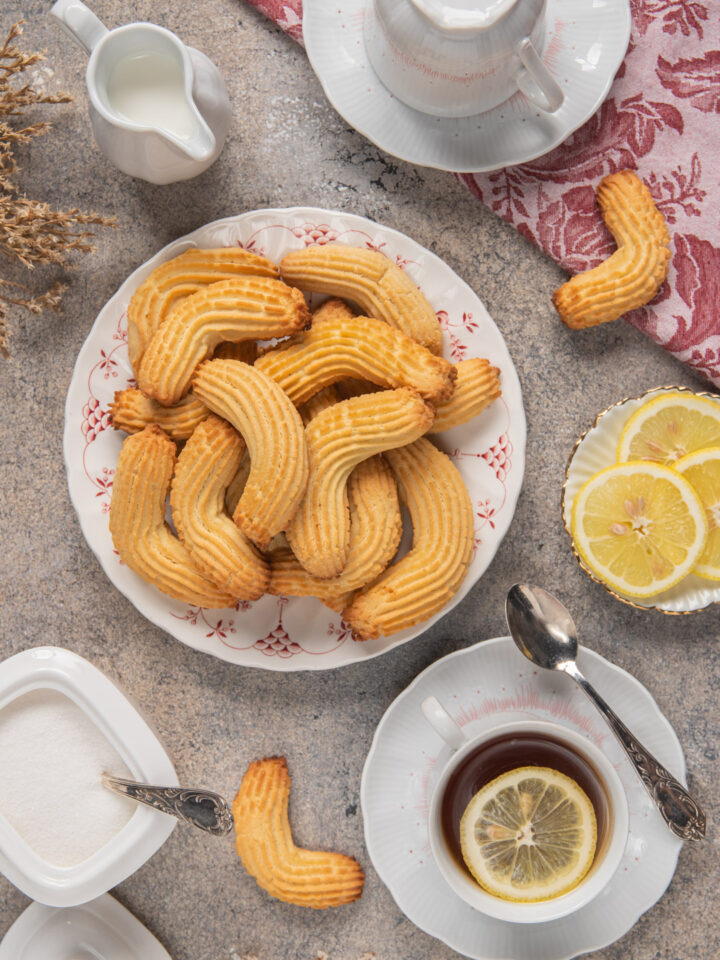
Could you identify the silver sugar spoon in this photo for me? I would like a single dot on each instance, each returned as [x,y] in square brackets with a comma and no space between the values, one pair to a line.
[202,808]
[544,631]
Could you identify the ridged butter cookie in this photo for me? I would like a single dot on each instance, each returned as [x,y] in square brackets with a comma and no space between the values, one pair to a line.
[428,576]
[137,522]
[379,287]
[273,431]
[264,842]
[178,278]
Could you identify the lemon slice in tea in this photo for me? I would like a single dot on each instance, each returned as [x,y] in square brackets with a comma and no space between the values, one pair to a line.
[529,835]
[669,427]
[702,469]
[638,526]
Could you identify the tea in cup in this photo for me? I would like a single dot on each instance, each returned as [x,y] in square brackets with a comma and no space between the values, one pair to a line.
[456,58]
[541,751]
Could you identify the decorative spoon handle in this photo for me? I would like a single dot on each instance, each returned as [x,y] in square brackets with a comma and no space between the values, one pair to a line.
[678,809]
[201,808]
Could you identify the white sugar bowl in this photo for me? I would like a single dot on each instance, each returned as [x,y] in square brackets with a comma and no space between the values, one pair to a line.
[64,839]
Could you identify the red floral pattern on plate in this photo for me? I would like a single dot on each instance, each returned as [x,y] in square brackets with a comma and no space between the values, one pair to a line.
[660,120]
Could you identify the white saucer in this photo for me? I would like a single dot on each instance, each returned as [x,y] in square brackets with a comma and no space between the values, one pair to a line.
[586,45]
[100,930]
[482,686]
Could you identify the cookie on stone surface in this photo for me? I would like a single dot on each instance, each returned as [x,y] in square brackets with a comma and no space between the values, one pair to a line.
[264,842]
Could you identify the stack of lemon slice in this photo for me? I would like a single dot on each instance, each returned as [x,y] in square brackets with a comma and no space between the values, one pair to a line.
[653,517]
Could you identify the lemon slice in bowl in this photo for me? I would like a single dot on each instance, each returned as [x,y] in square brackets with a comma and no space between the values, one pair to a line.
[702,469]
[529,835]
[639,527]
[669,427]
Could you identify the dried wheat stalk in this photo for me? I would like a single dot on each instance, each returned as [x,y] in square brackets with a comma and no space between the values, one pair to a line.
[31,232]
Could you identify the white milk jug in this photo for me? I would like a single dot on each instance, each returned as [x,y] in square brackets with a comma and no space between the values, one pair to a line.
[159,110]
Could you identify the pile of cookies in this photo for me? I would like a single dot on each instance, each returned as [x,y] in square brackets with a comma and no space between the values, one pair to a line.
[295,456]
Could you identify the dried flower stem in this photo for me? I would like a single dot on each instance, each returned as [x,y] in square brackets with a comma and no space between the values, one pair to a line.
[31,232]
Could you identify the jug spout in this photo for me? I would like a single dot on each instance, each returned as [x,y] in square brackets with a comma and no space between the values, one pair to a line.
[201,146]
[80,23]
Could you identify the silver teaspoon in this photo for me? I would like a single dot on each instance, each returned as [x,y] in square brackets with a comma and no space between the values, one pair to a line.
[544,631]
[202,808]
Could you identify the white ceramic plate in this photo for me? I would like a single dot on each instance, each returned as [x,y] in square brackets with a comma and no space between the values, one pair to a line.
[595,450]
[100,930]
[585,47]
[279,633]
[481,687]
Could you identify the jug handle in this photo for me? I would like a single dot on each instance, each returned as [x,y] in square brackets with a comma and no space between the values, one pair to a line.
[80,23]
[545,92]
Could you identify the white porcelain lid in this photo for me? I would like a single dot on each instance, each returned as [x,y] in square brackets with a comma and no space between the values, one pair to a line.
[100,930]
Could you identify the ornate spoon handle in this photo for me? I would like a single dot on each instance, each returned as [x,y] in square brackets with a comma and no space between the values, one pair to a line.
[202,808]
[678,809]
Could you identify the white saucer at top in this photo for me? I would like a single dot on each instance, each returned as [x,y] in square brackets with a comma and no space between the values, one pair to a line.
[481,687]
[586,43]
[100,930]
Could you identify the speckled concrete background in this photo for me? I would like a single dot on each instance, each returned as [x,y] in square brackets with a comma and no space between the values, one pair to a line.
[287,147]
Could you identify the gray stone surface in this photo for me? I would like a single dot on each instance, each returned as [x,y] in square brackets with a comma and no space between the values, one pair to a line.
[287,146]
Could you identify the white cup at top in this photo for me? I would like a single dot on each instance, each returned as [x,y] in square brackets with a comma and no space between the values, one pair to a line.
[456,58]
[610,846]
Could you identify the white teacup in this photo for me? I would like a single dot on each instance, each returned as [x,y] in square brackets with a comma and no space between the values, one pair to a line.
[612,833]
[456,58]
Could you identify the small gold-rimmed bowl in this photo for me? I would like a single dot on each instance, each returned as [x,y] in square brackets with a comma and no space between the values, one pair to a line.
[596,450]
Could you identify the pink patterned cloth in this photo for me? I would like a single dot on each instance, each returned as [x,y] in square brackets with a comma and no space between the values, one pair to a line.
[660,119]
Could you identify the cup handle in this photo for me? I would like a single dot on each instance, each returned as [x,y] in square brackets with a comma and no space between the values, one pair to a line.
[442,723]
[80,23]
[536,81]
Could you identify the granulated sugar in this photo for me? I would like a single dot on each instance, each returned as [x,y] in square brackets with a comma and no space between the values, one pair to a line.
[51,759]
